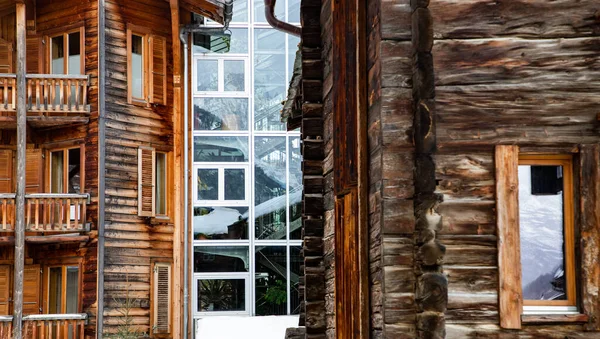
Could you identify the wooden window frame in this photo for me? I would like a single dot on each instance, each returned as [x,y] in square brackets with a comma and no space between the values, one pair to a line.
[46,284]
[65,34]
[145,34]
[566,161]
[148,64]
[65,150]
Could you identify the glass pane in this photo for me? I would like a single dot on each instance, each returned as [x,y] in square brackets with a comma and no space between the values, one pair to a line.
[161,183]
[57,172]
[235,184]
[216,295]
[270,83]
[74,171]
[220,223]
[296,262]
[271,280]
[57,52]
[240,11]
[295,177]
[75,53]
[208,75]
[72,289]
[239,42]
[221,114]
[292,49]
[270,188]
[55,290]
[137,67]
[220,149]
[542,232]
[259,10]
[294,11]
[210,259]
[208,184]
[234,75]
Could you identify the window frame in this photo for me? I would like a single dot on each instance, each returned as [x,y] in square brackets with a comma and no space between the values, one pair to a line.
[566,161]
[46,285]
[144,33]
[221,201]
[221,92]
[222,276]
[65,36]
[65,150]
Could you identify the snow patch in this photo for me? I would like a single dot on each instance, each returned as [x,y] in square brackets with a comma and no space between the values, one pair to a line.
[272,327]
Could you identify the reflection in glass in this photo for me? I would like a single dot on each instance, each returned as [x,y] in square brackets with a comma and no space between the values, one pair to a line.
[542,232]
[216,295]
[220,149]
[234,75]
[295,177]
[271,280]
[207,76]
[74,170]
[292,49]
[72,289]
[220,223]
[270,188]
[55,290]
[240,13]
[293,11]
[211,259]
[221,114]
[208,184]
[160,204]
[57,53]
[137,67]
[74,61]
[259,10]
[296,262]
[235,184]
[57,172]
[270,83]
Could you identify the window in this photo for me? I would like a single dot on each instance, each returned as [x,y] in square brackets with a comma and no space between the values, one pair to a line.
[546,232]
[146,67]
[66,171]
[536,235]
[153,182]
[62,292]
[247,183]
[66,53]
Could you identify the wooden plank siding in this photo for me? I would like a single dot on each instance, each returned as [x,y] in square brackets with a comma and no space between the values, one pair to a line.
[132,241]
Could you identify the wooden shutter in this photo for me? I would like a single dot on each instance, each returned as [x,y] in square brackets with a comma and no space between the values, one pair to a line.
[6,56]
[6,171]
[146,179]
[509,250]
[5,289]
[33,171]
[161,299]
[31,289]
[35,55]
[158,70]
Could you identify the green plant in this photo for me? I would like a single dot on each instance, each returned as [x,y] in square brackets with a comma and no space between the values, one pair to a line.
[276,294]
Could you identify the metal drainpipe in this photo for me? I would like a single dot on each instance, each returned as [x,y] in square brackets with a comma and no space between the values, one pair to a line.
[183,36]
[278,24]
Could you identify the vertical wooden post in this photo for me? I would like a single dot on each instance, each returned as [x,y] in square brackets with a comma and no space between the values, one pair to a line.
[21,154]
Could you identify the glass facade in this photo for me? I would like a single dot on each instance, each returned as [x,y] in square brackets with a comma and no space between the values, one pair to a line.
[247,170]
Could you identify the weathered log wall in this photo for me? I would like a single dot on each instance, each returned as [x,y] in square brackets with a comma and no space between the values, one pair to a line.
[506,72]
[132,241]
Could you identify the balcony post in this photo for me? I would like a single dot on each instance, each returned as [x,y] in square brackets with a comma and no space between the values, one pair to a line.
[21,154]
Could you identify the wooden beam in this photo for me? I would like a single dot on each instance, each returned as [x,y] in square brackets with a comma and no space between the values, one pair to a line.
[7,241]
[21,160]
[509,250]
[54,239]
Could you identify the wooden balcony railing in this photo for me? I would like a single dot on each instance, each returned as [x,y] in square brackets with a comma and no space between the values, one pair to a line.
[47,94]
[46,212]
[40,326]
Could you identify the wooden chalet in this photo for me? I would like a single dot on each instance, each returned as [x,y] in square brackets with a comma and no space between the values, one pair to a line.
[451,168]
[91,200]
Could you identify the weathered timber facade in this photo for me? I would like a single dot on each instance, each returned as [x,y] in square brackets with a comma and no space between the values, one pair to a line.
[458,96]
[100,240]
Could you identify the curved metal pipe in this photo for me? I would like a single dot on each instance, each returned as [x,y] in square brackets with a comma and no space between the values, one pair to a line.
[278,24]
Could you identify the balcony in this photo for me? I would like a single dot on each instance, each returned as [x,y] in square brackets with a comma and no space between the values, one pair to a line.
[46,213]
[47,326]
[52,100]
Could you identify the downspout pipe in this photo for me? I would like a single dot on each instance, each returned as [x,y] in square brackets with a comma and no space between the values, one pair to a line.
[278,24]
[183,36]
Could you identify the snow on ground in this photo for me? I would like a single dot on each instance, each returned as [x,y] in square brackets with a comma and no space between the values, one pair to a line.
[244,327]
